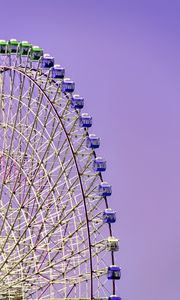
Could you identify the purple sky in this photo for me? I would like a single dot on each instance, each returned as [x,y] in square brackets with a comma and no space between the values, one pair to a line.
[125,59]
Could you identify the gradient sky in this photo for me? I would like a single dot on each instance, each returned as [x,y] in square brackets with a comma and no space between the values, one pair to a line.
[125,59]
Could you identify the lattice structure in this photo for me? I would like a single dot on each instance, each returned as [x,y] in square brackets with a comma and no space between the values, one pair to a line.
[55,226]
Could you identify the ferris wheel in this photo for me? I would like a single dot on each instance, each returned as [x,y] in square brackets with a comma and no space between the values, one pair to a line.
[56,238]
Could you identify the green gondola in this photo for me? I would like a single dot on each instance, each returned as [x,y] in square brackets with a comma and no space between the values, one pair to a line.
[36,53]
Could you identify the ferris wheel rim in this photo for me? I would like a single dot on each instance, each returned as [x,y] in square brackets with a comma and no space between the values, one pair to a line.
[6,68]
[21,71]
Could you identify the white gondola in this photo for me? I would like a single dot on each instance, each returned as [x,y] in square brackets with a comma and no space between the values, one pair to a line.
[112,244]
